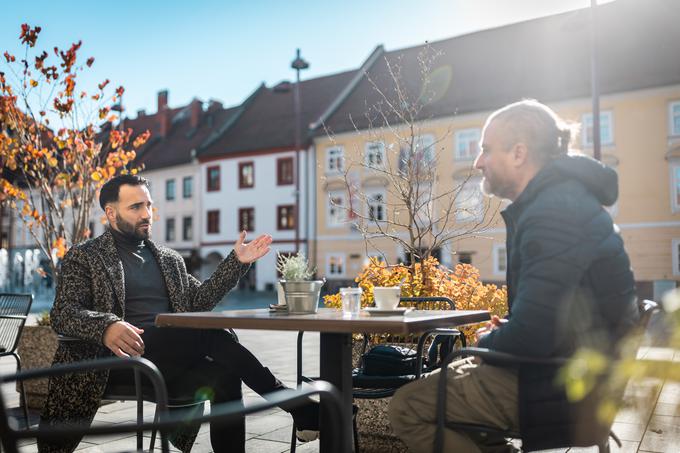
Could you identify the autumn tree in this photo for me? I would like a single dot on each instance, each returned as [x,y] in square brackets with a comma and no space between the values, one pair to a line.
[57,143]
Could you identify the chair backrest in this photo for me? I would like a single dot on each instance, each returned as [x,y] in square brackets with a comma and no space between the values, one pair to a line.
[428,303]
[647,309]
[14,310]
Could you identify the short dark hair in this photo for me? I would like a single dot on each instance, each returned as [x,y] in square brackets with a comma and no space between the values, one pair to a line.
[111,189]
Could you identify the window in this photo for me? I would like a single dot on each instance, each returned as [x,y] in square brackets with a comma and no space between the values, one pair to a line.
[676,257]
[285,217]
[464,258]
[469,202]
[606,129]
[335,160]
[170,189]
[675,186]
[246,219]
[187,187]
[375,204]
[335,265]
[213,178]
[169,230]
[187,228]
[674,118]
[467,143]
[246,175]
[337,208]
[418,158]
[374,154]
[284,171]
[500,259]
[213,222]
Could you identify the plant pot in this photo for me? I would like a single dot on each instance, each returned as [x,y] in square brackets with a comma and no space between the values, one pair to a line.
[302,296]
[37,346]
[280,294]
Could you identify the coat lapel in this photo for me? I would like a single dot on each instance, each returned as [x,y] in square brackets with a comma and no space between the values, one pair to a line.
[168,266]
[114,266]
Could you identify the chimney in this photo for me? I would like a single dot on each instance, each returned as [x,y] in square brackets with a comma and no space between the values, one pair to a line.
[141,113]
[164,118]
[215,105]
[162,100]
[196,110]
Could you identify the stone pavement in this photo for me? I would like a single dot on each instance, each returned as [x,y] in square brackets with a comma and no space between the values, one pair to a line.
[651,424]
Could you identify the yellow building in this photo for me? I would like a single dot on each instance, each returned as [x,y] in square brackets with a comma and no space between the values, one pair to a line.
[441,105]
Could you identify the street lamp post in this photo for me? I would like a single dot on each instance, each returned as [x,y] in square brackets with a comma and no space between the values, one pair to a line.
[298,64]
[595,89]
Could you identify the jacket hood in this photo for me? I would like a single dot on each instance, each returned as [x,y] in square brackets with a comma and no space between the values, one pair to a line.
[597,178]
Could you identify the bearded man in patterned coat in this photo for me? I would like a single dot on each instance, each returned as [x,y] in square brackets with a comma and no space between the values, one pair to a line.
[109,292]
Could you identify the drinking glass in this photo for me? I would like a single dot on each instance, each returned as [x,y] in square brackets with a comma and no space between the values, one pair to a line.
[351,301]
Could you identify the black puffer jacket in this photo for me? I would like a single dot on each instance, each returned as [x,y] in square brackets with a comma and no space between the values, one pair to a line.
[569,286]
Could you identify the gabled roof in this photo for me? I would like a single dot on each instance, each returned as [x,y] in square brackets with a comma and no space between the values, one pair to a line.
[268,121]
[546,58]
[181,139]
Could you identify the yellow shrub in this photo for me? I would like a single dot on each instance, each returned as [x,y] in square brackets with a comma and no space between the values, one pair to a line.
[462,285]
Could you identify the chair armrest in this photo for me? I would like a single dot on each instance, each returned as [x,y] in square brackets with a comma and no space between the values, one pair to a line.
[138,364]
[223,412]
[423,338]
[502,358]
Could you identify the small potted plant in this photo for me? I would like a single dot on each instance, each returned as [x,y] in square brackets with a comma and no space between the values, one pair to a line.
[302,293]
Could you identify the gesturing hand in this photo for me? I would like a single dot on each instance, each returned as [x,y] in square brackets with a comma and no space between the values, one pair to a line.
[123,339]
[247,253]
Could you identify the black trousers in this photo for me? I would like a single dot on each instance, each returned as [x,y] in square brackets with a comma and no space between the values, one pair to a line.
[207,363]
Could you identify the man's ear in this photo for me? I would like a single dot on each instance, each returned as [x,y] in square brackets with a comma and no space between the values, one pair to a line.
[520,154]
[110,213]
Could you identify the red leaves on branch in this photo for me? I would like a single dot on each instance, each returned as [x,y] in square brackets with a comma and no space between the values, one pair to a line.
[29,35]
[103,84]
[70,84]
[10,58]
[141,139]
[120,90]
[40,60]
[63,107]
[68,58]
[89,62]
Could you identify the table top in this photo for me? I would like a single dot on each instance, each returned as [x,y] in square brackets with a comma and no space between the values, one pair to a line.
[325,320]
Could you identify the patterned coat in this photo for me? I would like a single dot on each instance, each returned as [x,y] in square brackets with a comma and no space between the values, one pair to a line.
[90,296]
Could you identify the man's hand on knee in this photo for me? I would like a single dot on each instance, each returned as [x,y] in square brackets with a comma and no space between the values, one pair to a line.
[123,339]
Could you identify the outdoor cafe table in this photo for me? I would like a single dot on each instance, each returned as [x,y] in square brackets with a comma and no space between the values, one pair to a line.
[336,336]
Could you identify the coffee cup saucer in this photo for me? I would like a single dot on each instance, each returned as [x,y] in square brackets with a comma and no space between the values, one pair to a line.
[387,311]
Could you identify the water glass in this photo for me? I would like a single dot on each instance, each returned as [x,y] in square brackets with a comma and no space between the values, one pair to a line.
[351,301]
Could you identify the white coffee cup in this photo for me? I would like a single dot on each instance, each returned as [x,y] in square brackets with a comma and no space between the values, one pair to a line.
[386,297]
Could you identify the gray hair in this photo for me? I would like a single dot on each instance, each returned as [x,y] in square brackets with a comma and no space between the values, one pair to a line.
[546,135]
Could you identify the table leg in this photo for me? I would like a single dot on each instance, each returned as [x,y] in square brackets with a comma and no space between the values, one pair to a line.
[336,368]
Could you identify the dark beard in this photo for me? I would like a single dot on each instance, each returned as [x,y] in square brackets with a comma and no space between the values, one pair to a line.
[131,231]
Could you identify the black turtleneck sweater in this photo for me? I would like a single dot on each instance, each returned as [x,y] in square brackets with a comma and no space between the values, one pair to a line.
[145,292]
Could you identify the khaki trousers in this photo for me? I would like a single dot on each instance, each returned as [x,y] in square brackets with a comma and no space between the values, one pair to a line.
[479,394]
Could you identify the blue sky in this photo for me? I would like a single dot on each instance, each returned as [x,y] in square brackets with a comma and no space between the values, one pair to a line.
[224,49]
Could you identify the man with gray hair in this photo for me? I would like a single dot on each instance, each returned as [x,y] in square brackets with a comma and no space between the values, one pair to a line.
[570,286]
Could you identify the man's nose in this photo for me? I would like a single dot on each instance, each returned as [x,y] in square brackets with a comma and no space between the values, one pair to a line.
[479,164]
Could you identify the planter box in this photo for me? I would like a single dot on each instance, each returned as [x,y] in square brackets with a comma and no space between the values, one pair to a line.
[37,346]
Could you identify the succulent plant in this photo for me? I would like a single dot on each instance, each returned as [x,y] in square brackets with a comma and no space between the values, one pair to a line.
[294,267]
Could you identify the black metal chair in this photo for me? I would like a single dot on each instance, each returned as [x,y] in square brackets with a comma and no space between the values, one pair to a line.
[10,436]
[647,309]
[376,387]
[136,391]
[14,310]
